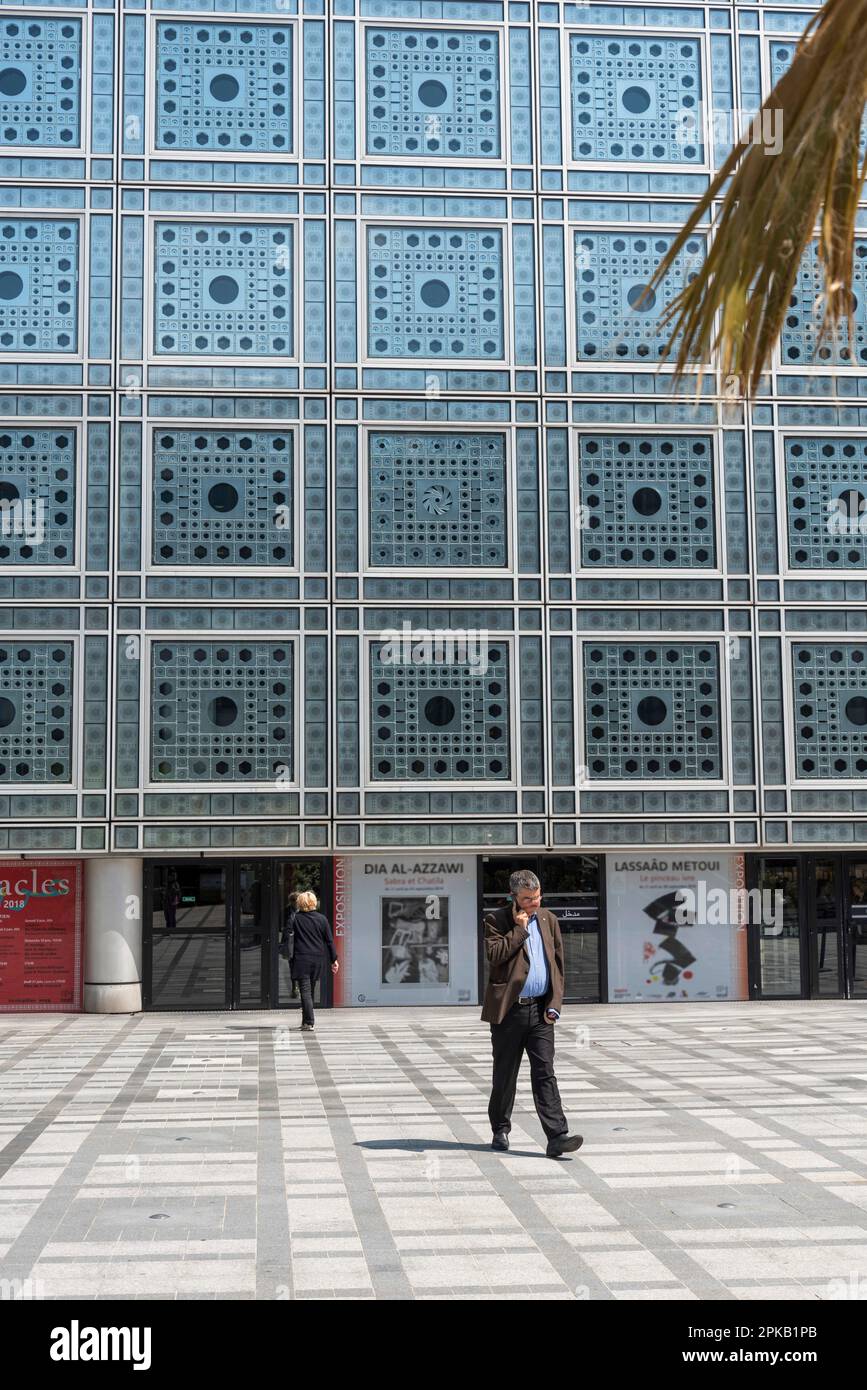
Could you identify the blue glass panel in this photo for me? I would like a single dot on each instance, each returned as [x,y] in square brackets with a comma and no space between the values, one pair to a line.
[636,99]
[826,489]
[435,293]
[40,81]
[36,714]
[444,720]
[37,492]
[224,87]
[830,700]
[799,341]
[223,288]
[38,285]
[221,712]
[222,497]
[433,92]
[647,500]
[437,499]
[652,710]
[614,319]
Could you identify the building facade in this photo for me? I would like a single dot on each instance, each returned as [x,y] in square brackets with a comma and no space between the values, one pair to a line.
[354,538]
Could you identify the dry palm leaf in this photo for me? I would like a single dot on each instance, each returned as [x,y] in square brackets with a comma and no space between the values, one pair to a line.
[736,303]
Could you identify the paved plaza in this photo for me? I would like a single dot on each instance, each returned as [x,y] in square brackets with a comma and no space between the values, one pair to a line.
[230,1156]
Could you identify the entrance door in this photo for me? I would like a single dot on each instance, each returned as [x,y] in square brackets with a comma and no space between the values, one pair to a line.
[212,932]
[296,876]
[819,950]
[251,935]
[855,962]
[825,916]
[837,906]
[187,961]
[571,889]
[775,940]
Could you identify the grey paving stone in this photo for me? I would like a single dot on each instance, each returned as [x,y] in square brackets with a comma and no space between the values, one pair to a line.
[725,1157]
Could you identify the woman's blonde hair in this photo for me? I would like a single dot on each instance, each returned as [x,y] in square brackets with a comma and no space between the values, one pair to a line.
[305,902]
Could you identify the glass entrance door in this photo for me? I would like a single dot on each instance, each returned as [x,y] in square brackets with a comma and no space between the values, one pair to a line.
[187,961]
[820,951]
[776,944]
[212,932]
[855,944]
[837,904]
[571,888]
[296,876]
[825,913]
[251,913]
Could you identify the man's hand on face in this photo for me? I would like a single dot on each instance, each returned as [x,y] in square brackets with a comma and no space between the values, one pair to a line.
[523,906]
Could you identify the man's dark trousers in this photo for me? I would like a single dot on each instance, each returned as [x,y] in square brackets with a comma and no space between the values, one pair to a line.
[525,1029]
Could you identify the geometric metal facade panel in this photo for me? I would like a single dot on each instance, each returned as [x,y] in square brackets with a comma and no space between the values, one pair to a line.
[652,710]
[221,711]
[222,497]
[433,92]
[38,285]
[647,500]
[826,503]
[437,499]
[781,55]
[223,288]
[435,292]
[830,704]
[36,711]
[37,496]
[320,223]
[614,318]
[224,87]
[440,720]
[799,338]
[781,59]
[636,98]
[40,81]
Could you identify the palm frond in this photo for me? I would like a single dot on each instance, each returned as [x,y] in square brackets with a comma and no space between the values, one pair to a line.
[733,309]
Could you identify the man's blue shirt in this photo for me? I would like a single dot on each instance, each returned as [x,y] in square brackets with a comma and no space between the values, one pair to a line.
[538,978]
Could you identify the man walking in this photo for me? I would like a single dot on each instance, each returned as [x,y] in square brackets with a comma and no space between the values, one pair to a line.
[522,1004]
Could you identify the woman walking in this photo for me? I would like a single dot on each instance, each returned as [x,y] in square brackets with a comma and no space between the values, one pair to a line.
[314,944]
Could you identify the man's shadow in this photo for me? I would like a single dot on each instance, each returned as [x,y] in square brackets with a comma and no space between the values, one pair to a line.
[446,1145]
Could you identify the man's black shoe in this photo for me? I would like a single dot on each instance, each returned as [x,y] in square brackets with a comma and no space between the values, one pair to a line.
[564,1144]
[500,1139]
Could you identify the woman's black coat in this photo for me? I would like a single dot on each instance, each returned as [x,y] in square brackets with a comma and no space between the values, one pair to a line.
[313,941]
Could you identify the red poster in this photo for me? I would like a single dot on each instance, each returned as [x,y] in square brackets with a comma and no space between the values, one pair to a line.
[342,917]
[41,937]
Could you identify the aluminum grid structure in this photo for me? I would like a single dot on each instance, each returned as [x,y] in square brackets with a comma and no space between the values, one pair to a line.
[321,322]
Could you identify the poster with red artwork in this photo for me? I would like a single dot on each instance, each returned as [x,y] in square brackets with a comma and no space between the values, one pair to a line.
[41,937]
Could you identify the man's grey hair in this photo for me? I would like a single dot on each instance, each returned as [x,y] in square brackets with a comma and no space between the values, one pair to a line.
[523,881]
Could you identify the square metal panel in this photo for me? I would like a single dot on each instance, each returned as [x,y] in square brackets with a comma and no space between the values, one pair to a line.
[433,92]
[652,710]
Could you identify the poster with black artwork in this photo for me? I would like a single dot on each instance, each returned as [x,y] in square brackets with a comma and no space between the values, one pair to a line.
[415,940]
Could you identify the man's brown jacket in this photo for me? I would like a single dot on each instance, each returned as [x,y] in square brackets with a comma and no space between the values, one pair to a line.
[509,961]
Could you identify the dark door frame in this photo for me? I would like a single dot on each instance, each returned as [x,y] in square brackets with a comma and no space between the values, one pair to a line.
[808,936]
[536,863]
[269,864]
[267,868]
[811,862]
[148,871]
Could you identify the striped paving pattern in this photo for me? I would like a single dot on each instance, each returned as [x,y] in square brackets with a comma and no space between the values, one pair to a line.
[230,1156]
